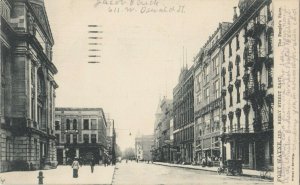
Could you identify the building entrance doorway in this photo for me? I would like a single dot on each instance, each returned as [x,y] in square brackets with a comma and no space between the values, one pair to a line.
[59,155]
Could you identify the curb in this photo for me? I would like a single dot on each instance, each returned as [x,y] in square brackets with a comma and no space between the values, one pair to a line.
[186,167]
[113,176]
[211,170]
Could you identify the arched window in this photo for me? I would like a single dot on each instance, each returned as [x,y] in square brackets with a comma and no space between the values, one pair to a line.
[230,66]
[68,124]
[74,124]
[237,63]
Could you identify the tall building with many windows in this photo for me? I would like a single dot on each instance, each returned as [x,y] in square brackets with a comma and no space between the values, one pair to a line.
[247,85]
[183,111]
[207,103]
[162,149]
[27,86]
[80,132]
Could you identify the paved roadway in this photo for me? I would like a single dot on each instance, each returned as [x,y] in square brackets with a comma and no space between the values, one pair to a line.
[143,173]
[60,175]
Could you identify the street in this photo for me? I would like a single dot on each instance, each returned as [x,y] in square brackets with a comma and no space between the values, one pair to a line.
[143,173]
[61,175]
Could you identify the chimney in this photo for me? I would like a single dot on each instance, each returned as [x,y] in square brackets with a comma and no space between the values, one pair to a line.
[234,14]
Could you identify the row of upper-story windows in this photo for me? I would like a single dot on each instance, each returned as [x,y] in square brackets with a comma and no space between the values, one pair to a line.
[88,124]
[204,95]
[184,135]
[73,138]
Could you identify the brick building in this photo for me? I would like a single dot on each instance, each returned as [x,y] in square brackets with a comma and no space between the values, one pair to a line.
[207,103]
[183,111]
[80,132]
[247,85]
[27,86]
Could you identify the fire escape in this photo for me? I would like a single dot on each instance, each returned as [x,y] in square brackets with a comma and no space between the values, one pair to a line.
[255,55]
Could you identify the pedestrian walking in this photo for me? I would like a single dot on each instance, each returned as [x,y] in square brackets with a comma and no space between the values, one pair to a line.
[75,166]
[92,163]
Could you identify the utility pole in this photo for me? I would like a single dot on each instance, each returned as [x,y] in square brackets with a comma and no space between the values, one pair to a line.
[113,144]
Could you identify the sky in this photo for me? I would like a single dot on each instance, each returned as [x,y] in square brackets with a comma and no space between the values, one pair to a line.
[141,54]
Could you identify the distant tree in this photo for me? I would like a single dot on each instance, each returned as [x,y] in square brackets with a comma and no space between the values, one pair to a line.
[129,153]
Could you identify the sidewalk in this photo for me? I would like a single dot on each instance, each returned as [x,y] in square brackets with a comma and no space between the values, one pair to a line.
[61,175]
[246,172]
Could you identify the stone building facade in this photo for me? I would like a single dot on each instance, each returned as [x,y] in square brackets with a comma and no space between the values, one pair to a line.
[27,93]
[247,85]
[143,148]
[80,132]
[207,103]
[183,111]
[162,136]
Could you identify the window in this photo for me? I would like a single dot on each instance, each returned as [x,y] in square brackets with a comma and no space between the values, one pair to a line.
[68,138]
[270,76]
[216,66]
[36,149]
[270,36]
[75,138]
[223,55]
[94,138]
[39,113]
[57,125]
[86,138]
[57,138]
[74,124]
[230,100]
[93,124]
[237,42]
[207,73]
[198,87]
[68,124]
[237,63]
[230,49]
[216,89]
[85,124]
[207,94]
[230,71]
